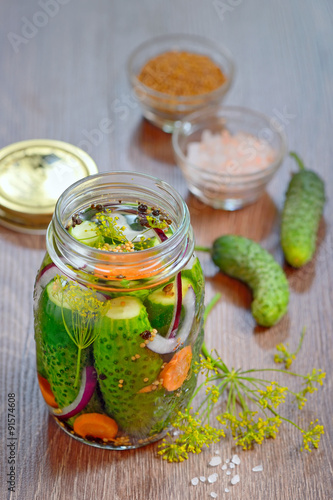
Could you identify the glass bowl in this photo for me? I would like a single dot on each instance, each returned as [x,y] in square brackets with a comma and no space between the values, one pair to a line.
[230,187]
[162,109]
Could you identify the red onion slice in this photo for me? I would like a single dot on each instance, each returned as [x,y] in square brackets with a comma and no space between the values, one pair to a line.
[47,274]
[161,234]
[87,388]
[163,345]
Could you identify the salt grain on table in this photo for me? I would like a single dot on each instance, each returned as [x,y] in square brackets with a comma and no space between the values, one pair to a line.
[235,479]
[215,461]
[228,472]
[216,452]
[226,490]
[195,481]
[224,467]
[227,461]
[258,468]
[236,460]
[212,478]
[202,479]
[213,494]
[231,465]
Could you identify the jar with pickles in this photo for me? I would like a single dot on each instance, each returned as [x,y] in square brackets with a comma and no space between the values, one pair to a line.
[118,307]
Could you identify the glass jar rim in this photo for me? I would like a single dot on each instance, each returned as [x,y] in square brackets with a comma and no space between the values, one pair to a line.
[158,264]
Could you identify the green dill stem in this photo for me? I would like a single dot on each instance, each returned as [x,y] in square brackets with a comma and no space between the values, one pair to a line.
[143,232]
[222,386]
[298,160]
[261,381]
[300,342]
[283,418]
[206,413]
[210,305]
[222,366]
[65,324]
[204,349]
[198,248]
[204,401]
[247,391]
[77,375]
[229,400]
[232,383]
[198,389]
[274,370]
[241,399]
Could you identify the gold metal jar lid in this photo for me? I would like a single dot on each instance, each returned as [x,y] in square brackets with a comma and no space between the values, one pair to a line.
[33,174]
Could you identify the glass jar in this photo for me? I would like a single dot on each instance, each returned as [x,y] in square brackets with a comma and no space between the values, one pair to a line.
[118,327]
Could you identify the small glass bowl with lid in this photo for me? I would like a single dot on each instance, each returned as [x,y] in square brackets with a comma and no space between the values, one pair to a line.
[228,154]
[164,109]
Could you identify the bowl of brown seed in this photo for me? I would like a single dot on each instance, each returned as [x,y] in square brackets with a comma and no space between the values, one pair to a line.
[174,75]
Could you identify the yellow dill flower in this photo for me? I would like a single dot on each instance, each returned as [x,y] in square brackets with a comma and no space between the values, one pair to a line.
[312,436]
[274,395]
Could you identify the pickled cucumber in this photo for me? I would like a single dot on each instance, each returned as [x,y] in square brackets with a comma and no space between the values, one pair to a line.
[124,366]
[301,214]
[160,305]
[247,261]
[57,353]
[87,233]
[195,275]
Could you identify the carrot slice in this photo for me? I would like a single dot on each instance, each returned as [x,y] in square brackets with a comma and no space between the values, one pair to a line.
[175,372]
[96,425]
[46,391]
[126,272]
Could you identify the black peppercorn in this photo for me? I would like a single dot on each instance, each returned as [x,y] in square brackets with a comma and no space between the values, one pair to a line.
[145,335]
[142,208]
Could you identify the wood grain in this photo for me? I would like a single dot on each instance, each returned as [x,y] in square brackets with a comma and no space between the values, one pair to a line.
[60,84]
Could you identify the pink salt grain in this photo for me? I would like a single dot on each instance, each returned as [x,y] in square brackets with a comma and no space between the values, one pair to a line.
[236,154]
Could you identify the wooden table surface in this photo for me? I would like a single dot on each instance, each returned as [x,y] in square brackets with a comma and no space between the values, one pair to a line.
[59,80]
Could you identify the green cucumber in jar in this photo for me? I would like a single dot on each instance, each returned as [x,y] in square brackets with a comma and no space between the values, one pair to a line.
[124,366]
[160,305]
[195,275]
[87,233]
[247,261]
[57,353]
[301,215]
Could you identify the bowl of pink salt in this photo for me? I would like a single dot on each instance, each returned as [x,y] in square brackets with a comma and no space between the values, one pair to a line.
[228,154]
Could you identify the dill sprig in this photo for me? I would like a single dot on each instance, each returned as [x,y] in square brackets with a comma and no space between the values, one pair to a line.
[284,355]
[154,222]
[108,227]
[85,310]
[252,409]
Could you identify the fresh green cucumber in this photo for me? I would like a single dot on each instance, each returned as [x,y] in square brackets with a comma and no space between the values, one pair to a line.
[120,376]
[87,233]
[56,352]
[247,261]
[301,214]
[160,305]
